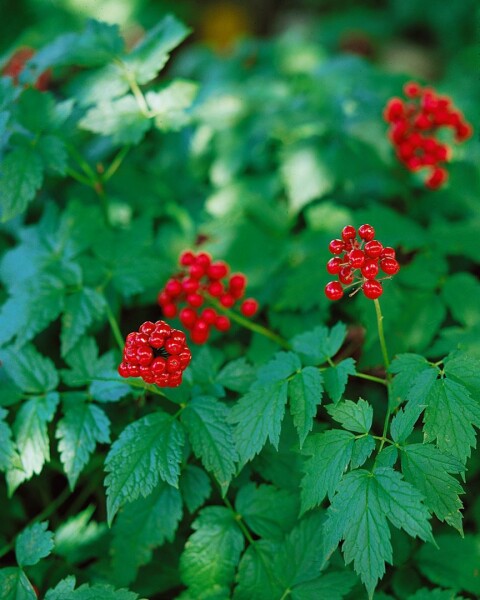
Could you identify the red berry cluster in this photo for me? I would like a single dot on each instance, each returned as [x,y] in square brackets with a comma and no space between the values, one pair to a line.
[156,353]
[16,64]
[199,281]
[367,256]
[413,125]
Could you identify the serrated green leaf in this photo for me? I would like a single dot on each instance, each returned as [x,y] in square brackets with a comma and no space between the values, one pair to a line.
[450,418]
[464,369]
[212,552]
[429,470]
[406,367]
[33,544]
[31,436]
[358,514]
[141,527]
[333,586]
[64,590]
[305,392]
[354,416]
[461,293]
[258,416]
[170,103]
[336,378]
[321,343]
[279,368]
[78,538]
[8,453]
[254,504]
[81,428]
[330,454]
[21,176]
[31,371]
[121,118]
[81,310]
[362,449]
[256,580]
[147,450]
[152,52]
[15,585]
[206,421]
[195,487]
[436,594]
[237,375]
[455,563]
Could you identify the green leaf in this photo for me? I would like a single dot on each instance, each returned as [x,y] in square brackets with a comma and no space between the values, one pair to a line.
[81,310]
[195,487]
[256,580]
[258,416]
[333,586]
[320,343]
[406,368]
[254,504]
[170,103]
[78,538]
[147,450]
[15,585]
[8,453]
[212,552]
[354,416]
[461,293]
[121,118]
[305,392]
[237,375]
[362,449]
[455,563]
[436,594]
[336,378]
[33,544]
[359,515]
[64,590]
[141,527]
[21,175]
[211,436]
[82,426]
[31,436]
[464,369]
[32,372]
[279,368]
[152,52]
[450,418]
[330,454]
[429,470]
[54,153]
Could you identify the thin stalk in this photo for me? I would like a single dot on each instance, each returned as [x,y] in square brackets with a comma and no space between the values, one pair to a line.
[114,326]
[115,164]
[238,519]
[370,378]
[386,361]
[78,177]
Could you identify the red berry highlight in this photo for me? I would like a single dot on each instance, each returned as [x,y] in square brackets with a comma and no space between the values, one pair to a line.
[333,290]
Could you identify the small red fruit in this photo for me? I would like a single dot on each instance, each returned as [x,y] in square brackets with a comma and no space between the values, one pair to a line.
[249,307]
[333,290]
[356,258]
[373,248]
[222,323]
[366,232]
[336,246]
[389,266]
[372,289]
[334,265]
[349,232]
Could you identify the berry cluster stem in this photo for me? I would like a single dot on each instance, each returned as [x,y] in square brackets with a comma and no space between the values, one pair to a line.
[114,326]
[386,361]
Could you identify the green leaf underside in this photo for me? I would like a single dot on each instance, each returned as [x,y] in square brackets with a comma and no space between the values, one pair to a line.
[429,470]
[330,454]
[305,392]
[82,427]
[141,527]
[359,514]
[211,436]
[33,544]
[147,450]
[212,552]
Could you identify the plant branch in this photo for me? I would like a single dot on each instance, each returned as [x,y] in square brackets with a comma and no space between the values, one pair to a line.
[114,326]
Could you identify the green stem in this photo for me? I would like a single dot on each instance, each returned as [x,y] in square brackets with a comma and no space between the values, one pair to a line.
[238,519]
[87,169]
[370,378]
[139,97]
[78,176]
[386,361]
[114,326]
[115,164]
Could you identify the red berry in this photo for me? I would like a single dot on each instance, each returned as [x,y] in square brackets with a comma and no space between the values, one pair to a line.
[158,365]
[169,310]
[394,110]
[190,286]
[215,289]
[334,265]
[336,246]
[173,287]
[346,275]
[349,232]
[200,337]
[187,258]
[173,347]
[237,282]
[227,300]
[366,232]
[217,270]
[370,268]
[163,328]
[372,289]
[388,252]
[412,89]
[195,300]
[184,357]
[389,266]
[196,271]
[146,328]
[209,315]
[333,290]
[203,259]
[123,370]
[188,317]
[222,323]
[144,355]
[463,132]
[373,249]
[163,298]
[436,179]
[249,307]
[173,364]
[356,258]
[156,340]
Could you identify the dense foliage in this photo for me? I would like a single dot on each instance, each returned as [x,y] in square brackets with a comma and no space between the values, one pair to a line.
[313,449]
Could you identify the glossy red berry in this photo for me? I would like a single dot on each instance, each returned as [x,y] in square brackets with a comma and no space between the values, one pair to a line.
[334,265]
[203,259]
[215,289]
[217,270]
[370,269]
[173,287]
[249,307]
[196,271]
[190,285]
[373,249]
[346,275]
[169,310]
[187,258]
[389,266]
[348,232]
[188,317]
[237,282]
[227,300]
[388,252]
[222,323]
[436,179]
[333,290]
[209,315]
[366,232]
[372,289]
[356,258]
[336,246]
[195,300]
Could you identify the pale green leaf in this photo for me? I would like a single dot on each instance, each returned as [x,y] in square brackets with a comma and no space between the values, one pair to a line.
[33,544]
[170,103]
[362,449]
[147,450]
[8,453]
[279,368]
[354,416]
